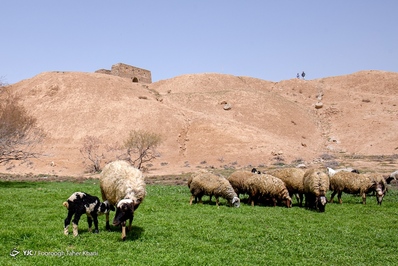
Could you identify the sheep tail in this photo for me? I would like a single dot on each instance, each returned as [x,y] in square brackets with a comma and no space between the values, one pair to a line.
[66,204]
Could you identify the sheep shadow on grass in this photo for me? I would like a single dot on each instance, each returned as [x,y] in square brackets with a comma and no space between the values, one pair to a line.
[132,235]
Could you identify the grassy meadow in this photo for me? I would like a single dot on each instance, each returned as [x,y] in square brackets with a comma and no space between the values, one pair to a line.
[168,231]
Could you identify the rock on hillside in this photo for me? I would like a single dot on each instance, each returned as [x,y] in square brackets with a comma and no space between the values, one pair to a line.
[264,122]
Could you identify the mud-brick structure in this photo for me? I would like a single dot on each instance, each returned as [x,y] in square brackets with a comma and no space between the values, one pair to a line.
[136,74]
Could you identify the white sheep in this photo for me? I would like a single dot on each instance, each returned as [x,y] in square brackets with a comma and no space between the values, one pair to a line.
[268,187]
[392,176]
[293,178]
[206,183]
[124,187]
[352,183]
[331,171]
[315,185]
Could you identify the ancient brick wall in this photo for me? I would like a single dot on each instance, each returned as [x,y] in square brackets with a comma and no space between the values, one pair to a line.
[126,71]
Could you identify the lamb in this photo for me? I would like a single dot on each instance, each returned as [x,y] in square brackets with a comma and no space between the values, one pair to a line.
[206,183]
[266,187]
[392,176]
[238,180]
[80,203]
[124,187]
[293,178]
[331,171]
[356,183]
[315,186]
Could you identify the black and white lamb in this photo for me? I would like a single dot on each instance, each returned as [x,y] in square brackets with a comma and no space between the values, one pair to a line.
[80,203]
[124,187]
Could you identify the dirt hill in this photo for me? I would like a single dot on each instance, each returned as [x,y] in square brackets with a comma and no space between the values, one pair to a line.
[213,119]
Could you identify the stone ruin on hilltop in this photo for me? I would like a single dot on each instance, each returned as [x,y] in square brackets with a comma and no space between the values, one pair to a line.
[136,74]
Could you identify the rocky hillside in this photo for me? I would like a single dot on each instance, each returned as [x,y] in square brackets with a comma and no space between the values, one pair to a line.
[212,119]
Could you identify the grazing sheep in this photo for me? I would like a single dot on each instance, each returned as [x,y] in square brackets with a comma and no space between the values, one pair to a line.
[331,171]
[238,181]
[124,187]
[293,178]
[352,183]
[316,184]
[268,187]
[80,203]
[392,176]
[205,183]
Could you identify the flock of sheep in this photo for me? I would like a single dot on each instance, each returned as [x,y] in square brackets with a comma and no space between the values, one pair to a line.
[280,185]
[123,189]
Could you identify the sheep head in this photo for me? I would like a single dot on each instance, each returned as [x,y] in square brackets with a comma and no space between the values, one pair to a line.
[105,207]
[235,202]
[321,203]
[380,191]
[124,211]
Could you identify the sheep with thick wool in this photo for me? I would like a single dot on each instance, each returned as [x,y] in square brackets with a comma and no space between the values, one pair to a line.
[315,185]
[293,179]
[352,183]
[123,186]
[268,187]
[238,181]
[206,183]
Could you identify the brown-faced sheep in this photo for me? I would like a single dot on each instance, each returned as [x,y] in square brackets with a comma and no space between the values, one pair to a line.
[238,181]
[293,178]
[206,183]
[268,187]
[352,183]
[124,187]
[316,184]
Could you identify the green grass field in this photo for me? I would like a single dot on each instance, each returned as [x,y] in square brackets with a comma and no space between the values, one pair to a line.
[168,231]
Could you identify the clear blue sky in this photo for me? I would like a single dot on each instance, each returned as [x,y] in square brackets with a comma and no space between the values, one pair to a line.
[266,39]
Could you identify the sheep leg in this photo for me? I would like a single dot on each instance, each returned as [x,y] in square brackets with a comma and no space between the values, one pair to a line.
[95,218]
[108,227]
[216,202]
[90,223]
[301,196]
[123,230]
[191,199]
[332,196]
[364,198]
[75,223]
[339,197]
[67,222]
[273,202]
